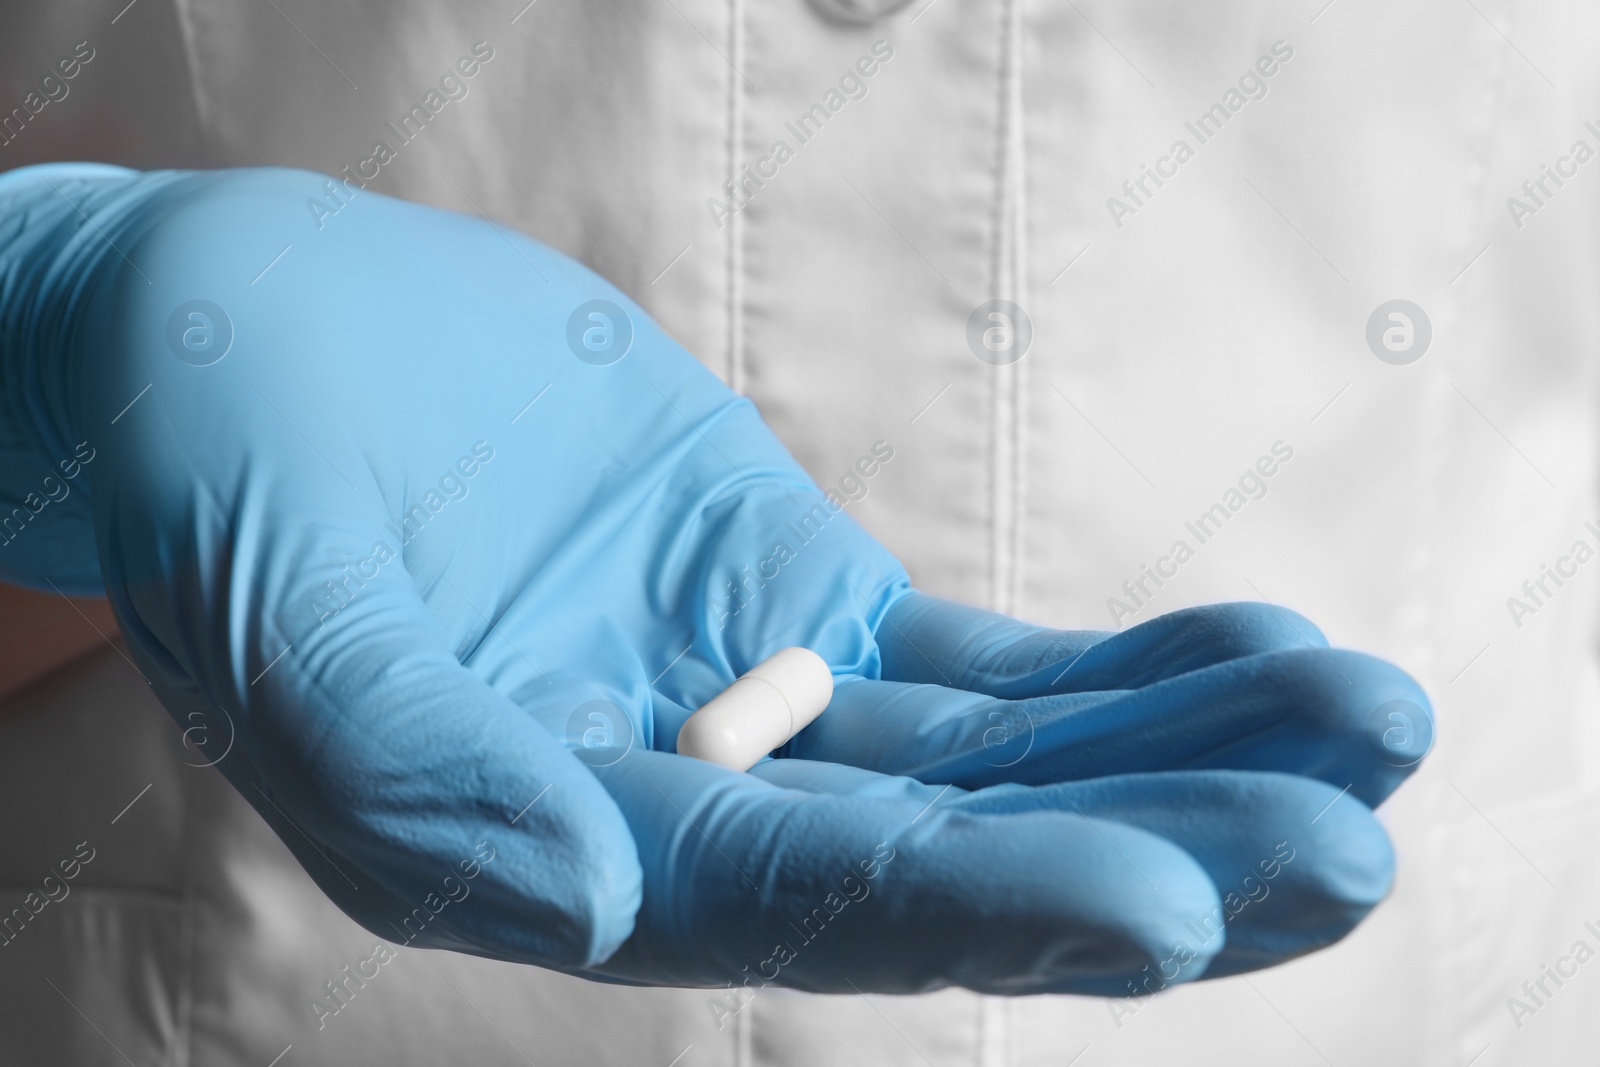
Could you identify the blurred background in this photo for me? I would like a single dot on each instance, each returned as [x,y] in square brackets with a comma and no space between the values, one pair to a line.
[1358,266]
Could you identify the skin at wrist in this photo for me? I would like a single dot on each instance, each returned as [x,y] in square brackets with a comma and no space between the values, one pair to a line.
[41,633]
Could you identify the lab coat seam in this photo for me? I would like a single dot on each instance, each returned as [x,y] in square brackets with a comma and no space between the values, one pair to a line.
[733,144]
[1019,271]
[1450,1022]
[743,1026]
[183,1039]
[186,34]
[743,1037]
[183,1010]
[993,1022]
[999,442]
[1492,125]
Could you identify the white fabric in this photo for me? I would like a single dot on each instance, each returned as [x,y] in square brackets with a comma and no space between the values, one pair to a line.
[1228,312]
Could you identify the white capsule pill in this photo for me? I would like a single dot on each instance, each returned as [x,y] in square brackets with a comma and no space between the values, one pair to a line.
[763,708]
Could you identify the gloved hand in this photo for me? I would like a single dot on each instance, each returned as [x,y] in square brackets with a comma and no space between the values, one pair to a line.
[433,554]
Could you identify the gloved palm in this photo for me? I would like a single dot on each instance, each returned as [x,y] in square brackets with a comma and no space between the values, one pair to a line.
[421,615]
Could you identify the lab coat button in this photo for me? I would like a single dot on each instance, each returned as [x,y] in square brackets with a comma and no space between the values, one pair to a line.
[858,12]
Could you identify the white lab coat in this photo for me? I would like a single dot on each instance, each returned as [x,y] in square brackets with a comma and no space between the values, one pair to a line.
[1178,333]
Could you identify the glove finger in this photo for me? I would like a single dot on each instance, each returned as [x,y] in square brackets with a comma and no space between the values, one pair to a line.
[1297,863]
[842,779]
[749,884]
[1323,714]
[939,642]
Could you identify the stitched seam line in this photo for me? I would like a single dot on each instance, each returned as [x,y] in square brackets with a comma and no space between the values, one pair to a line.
[744,1022]
[186,33]
[1019,281]
[998,443]
[735,141]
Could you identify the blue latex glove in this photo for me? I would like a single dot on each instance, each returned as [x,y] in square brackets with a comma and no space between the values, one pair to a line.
[443,640]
